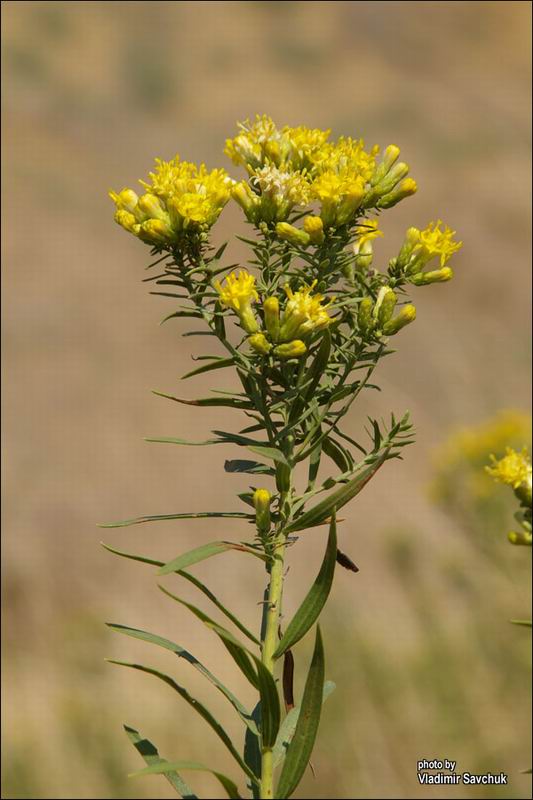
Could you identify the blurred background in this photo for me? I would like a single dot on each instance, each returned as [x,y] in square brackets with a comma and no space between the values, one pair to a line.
[418,642]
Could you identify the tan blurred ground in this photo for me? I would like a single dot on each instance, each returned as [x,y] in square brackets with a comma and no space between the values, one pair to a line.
[93,92]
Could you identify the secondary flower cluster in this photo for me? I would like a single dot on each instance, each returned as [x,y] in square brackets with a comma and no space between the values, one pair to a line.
[283,334]
[181,200]
[294,167]
[515,470]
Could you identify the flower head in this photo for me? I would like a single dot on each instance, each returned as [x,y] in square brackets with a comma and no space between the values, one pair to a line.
[304,313]
[274,194]
[185,198]
[434,242]
[514,469]
[238,293]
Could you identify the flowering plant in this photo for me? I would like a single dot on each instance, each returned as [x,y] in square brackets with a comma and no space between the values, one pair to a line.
[313,319]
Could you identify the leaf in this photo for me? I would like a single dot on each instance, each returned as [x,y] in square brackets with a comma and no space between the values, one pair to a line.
[163,517]
[150,754]
[199,707]
[252,750]
[525,622]
[337,499]
[160,641]
[310,609]
[192,579]
[251,444]
[288,726]
[220,363]
[270,707]
[240,654]
[228,402]
[303,741]
[338,454]
[203,552]
[250,467]
[161,769]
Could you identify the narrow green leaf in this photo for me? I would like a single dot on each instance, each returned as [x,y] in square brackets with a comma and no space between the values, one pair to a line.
[206,551]
[199,707]
[220,363]
[268,452]
[161,769]
[240,654]
[270,707]
[160,641]
[288,726]
[252,750]
[303,741]
[250,467]
[337,499]
[525,622]
[206,402]
[150,754]
[192,579]
[310,609]
[163,517]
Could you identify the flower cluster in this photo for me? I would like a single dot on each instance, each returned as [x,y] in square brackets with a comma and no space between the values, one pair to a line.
[421,247]
[341,176]
[514,469]
[182,201]
[284,334]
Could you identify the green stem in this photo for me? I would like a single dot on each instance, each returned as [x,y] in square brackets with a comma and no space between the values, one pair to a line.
[270,627]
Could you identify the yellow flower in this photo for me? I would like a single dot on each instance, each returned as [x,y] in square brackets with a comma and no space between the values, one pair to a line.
[277,192]
[363,249]
[182,198]
[304,313]
[514,469]
[305,143]
[261,143]
[248,148]
[315,228]
[238,293]
[340,195]
[435,242]
[367,231]
[347,156]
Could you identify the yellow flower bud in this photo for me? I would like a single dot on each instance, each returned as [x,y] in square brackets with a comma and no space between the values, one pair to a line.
[315,228]
[155,231]
[242,195]
[152,207]
[384,308]
[405,188]
[390,156]
[126,199]
[520,538]
[260,343]
[293,349]
[262,500]
[293,235]
[406,315]
[271,311]
[365,321]
[127,221]
[435,276]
